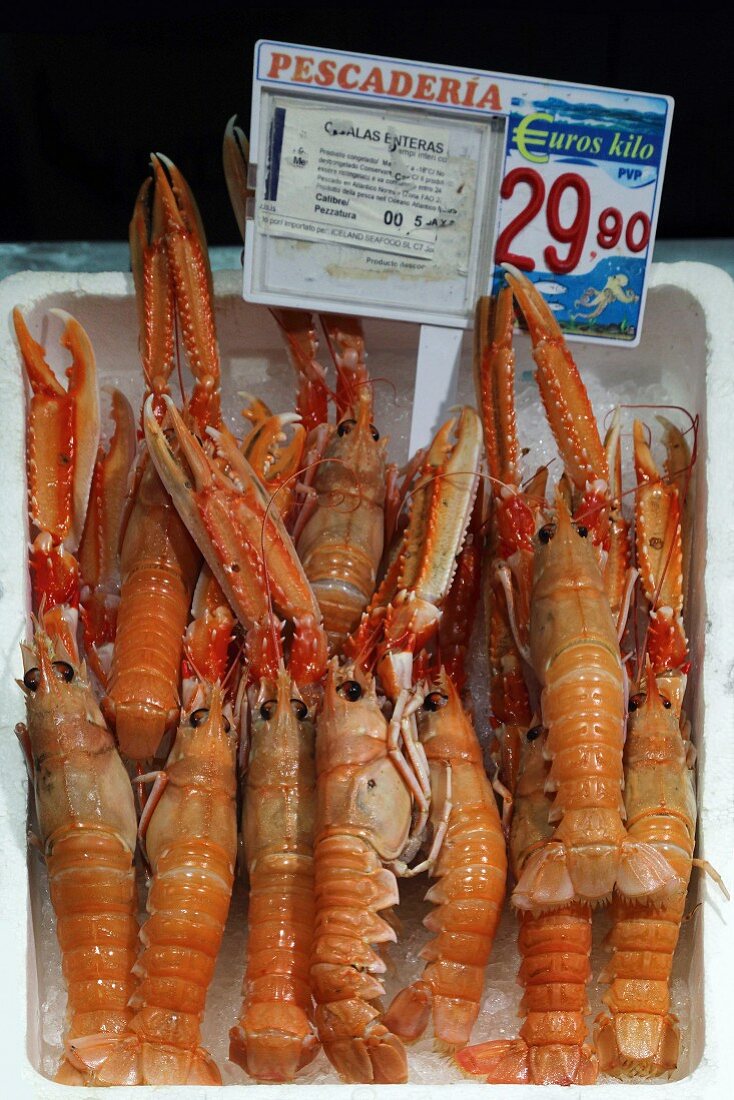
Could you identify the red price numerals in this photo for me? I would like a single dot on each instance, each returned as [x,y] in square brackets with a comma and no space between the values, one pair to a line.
[610,226]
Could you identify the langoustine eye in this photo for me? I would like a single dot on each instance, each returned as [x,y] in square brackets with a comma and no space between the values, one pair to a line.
[299,708]
[345,427]
[351,690]
[32,679]
[435,700]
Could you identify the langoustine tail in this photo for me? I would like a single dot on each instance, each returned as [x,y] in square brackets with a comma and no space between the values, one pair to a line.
[638,1044]
[514,1062]
[272,1042]
[351,887]
[550,1049]
[640,1038]
[128,1060]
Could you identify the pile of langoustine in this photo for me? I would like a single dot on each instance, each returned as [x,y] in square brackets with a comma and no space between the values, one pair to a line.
[351,600]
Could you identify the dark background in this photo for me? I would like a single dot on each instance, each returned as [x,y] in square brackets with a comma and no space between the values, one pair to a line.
[84,98]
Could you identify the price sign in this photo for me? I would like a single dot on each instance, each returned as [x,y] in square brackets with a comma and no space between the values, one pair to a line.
[579,202]
[397,189]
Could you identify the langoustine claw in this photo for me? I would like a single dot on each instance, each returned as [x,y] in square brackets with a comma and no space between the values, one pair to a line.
[568,409]
[99,555]
[63,434]
[242,538]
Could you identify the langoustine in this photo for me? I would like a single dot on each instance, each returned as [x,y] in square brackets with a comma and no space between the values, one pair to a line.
[463,839]
[84,803]
[555,945]
[159,561]
[190,831]
[363,820]
[275,1036]
[640,1036]
[87,825]
[467,857]
[575,656]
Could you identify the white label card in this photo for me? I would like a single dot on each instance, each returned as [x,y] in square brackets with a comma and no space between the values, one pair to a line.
[363,178]
[380,195]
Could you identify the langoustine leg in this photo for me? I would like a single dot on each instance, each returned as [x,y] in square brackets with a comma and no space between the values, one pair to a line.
[62,438]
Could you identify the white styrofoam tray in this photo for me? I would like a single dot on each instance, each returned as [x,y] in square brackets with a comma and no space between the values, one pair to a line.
[686,357]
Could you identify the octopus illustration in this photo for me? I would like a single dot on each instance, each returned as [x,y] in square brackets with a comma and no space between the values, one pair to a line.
[598,300]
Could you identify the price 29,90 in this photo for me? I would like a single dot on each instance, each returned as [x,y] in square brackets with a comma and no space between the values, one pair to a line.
[610,228]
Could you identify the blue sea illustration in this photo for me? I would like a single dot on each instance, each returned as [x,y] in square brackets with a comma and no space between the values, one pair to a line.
[604,302]
[635,121]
